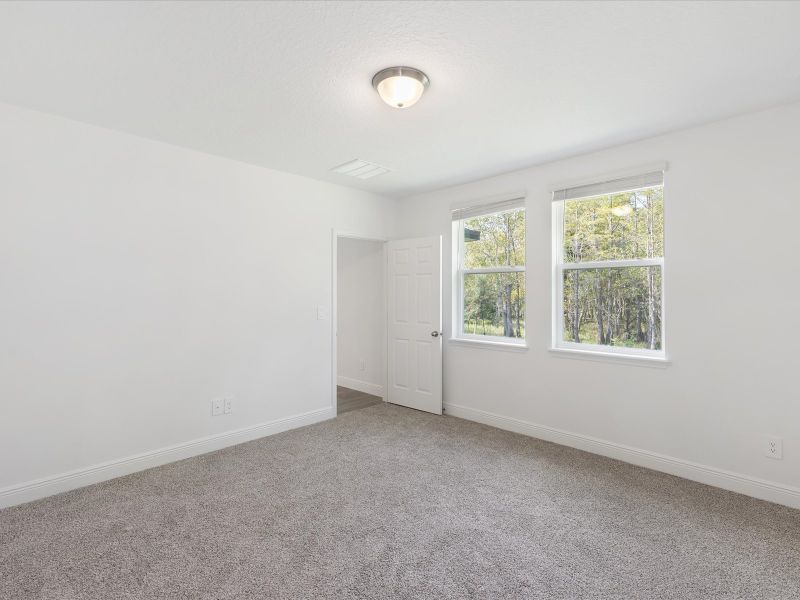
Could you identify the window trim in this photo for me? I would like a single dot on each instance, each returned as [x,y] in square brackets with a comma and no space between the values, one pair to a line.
[479,342]
[606,357]
[598,351]
[494,342]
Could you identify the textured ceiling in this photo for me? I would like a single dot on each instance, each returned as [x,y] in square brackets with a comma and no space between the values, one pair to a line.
[287,85]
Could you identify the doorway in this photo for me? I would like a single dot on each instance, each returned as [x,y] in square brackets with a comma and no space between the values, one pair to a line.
[360,323]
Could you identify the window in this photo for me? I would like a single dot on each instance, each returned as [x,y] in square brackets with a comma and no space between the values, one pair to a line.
[489,249]
[609,262]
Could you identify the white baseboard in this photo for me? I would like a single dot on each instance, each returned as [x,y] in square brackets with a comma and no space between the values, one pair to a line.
[360,386]
[47,486]
[728,480]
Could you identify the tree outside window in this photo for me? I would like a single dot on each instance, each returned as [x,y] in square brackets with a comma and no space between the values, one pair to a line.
[492,274]
[609,273]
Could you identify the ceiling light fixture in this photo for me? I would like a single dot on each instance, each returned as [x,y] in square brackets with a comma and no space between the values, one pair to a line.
[400,87]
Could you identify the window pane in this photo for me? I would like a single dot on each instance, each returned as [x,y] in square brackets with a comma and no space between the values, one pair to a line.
[494,304]
[618,306]
[494,240]
[615,227]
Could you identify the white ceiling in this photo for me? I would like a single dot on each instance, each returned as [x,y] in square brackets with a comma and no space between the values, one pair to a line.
[287,85]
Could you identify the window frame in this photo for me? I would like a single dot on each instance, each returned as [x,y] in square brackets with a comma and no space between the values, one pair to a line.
[558,343]
[490,341]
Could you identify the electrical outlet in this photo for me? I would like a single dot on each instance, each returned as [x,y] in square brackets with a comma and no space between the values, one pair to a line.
[228,403]
[216,407]
[773,447]
[362,365]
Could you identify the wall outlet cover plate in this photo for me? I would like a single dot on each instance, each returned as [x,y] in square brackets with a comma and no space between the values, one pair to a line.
[773,447]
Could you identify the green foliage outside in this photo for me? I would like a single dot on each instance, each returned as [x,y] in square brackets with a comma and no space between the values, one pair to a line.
[614,306]
[494,303]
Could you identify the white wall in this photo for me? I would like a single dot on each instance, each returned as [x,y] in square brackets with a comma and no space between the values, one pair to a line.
[733,324]
[361,315]
[139,280]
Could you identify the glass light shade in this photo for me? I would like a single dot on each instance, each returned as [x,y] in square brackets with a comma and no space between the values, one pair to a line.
[400,87]
[400,92]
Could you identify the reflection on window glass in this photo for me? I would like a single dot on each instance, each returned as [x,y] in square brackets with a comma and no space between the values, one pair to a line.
[623,226]
[494,240]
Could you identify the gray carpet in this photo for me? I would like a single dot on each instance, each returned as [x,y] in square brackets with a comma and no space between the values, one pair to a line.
[387,502]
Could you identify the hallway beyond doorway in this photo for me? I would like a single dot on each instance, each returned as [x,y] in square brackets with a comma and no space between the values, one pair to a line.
[347,400]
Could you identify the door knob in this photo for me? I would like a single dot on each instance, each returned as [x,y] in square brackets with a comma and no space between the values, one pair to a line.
[436,333]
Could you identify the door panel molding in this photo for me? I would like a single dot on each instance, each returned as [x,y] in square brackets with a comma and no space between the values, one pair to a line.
[414,320]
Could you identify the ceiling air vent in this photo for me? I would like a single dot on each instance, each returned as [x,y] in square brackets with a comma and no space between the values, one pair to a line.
[361,169]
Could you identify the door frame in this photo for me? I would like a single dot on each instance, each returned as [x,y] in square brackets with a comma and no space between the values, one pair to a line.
[367,237]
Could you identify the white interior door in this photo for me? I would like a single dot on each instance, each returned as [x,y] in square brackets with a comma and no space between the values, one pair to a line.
[415,323]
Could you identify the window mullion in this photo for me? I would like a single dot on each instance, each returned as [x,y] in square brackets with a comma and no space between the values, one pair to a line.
[611,264]
[490,270]
[461,277]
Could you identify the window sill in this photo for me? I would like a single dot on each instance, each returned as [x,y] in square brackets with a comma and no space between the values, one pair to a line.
[488,344]
[612,357]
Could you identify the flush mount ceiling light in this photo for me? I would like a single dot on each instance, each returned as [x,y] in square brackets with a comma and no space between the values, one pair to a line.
[400,87]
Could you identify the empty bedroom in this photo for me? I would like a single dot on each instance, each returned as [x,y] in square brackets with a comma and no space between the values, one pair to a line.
[399,300]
